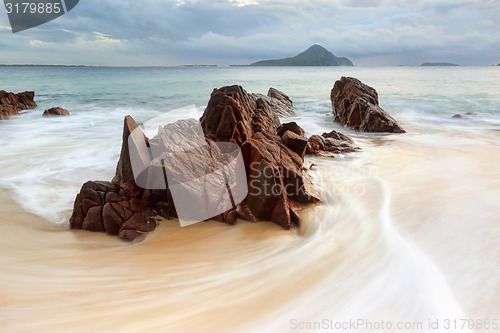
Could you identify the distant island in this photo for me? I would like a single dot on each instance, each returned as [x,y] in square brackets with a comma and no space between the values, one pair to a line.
[316,55]
[438,64]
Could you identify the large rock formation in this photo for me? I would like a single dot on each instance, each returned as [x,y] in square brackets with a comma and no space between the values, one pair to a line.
[355,105]
[11,104]
[57,111]
[232,115]
[278,184]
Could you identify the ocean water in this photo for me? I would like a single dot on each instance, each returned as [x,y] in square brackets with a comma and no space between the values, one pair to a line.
[408,233]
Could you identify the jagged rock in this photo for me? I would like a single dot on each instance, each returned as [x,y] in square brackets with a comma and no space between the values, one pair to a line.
[6,111]
[330,143]
[11,104]
[292,126]
[278,102]
[295,142]
[276,179]
[355,105]
[103,207]
[21,101]
[270,164]
[57,111]
[277,182]
[226,117]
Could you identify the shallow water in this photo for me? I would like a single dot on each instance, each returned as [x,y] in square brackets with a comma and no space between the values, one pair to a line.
[408,232]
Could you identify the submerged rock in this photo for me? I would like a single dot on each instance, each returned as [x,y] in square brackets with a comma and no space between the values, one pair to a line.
[330,143]
[11,104]
[57,111]
[355,105]
[464,116]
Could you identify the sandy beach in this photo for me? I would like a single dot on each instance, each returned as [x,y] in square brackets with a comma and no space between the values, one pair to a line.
[212,277]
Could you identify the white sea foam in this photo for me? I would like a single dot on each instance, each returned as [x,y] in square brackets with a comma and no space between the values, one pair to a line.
[408,230]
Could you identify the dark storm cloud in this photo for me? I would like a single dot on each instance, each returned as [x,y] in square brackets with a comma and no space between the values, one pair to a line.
[154,32]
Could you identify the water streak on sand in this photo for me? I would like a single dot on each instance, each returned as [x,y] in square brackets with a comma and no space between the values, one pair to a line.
[408,232]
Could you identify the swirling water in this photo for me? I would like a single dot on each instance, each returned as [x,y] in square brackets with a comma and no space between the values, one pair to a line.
[408,232]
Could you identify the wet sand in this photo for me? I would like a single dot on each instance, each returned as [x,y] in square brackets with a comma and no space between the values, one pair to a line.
[419,242]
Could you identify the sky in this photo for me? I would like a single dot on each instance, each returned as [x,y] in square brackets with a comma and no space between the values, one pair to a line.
[239,32]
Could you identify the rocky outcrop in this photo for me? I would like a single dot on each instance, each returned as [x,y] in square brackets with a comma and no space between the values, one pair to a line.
[119,207]
[57,111]
[21,101]
[278,184]
[278,102]
[11,104]
[6,111]
[105,207]
[329,144]
[356,105]
[232,115]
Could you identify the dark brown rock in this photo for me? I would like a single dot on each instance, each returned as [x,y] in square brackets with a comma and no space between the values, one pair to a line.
[278,102]
[295,142]
[229,103]
[277,181]
[11,104]
[356,105]
[57,111]
[21,101]
[292,126]
[275,176]
[6,111]
[124,176]
[330,143]
[104,207]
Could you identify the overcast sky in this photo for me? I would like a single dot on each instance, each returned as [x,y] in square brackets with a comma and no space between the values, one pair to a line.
[223,32]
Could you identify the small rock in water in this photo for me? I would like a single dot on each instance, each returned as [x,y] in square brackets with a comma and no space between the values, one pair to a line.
[330,143]
[58,111]
[464,116]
